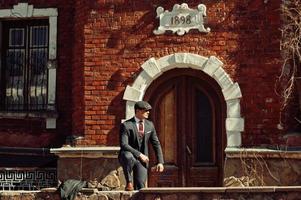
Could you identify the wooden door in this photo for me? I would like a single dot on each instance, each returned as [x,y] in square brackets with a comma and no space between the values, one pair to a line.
[188,119]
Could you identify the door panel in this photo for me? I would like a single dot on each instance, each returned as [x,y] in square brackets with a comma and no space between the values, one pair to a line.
[186,113]
[168,127]
[202,176]
[201,162]
[169,141]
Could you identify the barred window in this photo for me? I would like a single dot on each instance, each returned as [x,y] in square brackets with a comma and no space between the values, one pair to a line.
[24,73]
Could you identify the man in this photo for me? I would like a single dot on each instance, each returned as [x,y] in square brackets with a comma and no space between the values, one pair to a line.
[135,134]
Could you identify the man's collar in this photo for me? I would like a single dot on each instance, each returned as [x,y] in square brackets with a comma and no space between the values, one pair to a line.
[138,120]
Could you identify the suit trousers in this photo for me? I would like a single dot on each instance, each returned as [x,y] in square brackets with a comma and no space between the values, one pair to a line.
[132,165]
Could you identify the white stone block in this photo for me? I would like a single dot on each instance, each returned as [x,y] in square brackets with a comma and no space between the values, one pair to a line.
[177,61]
[52,12]
[50,123]
[195,61]
[151,68]
[5,12]
[232,92]
[132,94]
[233,139]
[180,57]
[52,37]
[23,10]
[225,81]
[235,124]
[220,72]
[212,65]
[130,111]
[51,85]
[142,81]
[165,63]
[233,108]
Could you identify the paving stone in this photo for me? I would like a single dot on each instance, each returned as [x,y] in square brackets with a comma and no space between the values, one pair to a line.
[102,197]
[113,196]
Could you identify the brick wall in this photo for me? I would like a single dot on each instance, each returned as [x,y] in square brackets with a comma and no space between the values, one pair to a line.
[118,38]
[32,132]
[102,44]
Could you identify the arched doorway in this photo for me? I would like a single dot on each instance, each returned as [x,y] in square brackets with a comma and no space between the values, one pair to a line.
[211,84]
[189,114]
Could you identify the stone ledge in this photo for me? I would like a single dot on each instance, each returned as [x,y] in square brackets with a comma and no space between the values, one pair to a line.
[86,152]
[263,189]
[232,152]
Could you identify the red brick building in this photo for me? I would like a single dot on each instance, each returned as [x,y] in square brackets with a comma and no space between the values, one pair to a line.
[71,71]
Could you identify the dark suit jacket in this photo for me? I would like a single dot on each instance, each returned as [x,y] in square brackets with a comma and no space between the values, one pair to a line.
[129,139]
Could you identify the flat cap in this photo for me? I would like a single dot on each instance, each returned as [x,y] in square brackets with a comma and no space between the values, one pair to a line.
[142,105]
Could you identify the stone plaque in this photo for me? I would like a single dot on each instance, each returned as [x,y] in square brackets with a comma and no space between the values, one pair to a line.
[181,19]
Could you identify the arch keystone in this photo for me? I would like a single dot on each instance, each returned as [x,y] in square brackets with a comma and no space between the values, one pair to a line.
[196,61]
[180,58]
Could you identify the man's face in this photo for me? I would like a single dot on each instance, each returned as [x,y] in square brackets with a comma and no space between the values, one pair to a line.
[142,114]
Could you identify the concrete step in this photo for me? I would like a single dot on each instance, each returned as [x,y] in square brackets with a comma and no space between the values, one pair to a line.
[195,193]
[177,193]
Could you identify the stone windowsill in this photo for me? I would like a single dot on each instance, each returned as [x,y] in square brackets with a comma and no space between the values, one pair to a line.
[86,152]
[28,114]
[234,152]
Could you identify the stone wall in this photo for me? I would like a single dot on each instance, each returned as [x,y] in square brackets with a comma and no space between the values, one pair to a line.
[99,166]
[262,167]
[101,173]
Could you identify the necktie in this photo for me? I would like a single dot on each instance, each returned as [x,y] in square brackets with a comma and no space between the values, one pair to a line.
[140,128]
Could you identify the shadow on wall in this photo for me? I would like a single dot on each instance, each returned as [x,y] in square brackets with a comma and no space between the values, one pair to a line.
[250,53]
[116,106]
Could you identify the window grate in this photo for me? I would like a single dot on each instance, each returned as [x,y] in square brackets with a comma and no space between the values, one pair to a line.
[24,72]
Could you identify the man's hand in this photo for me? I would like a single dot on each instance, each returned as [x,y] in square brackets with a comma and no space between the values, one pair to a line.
[144,158]
[158,168]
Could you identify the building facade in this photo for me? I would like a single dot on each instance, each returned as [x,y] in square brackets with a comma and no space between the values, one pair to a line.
[71,72]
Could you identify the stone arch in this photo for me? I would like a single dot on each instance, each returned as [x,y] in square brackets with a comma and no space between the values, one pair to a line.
[212,66]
